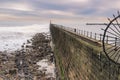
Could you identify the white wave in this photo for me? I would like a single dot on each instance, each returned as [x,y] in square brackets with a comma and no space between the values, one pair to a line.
[11,38]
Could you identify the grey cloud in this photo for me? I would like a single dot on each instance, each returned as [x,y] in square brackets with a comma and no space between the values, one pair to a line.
[44,9]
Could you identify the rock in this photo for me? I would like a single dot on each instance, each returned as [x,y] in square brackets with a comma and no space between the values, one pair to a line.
[1,78]
[24,62]
[12,72]
[29,46]
[50,78]
[28,41]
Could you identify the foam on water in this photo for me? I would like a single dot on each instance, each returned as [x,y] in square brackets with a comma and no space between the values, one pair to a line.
[11,38]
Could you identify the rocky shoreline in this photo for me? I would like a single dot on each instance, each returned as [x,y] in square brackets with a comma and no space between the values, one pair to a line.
[35,61]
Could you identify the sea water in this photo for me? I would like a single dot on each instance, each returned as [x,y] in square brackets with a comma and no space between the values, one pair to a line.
[12,37]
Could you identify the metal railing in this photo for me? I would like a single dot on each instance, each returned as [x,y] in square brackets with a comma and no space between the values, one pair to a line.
[91,35]
[87,34]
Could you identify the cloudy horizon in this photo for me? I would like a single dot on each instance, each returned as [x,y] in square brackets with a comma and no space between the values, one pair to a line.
[20,12]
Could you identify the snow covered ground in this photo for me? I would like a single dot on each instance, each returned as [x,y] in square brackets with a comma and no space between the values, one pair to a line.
[11,38]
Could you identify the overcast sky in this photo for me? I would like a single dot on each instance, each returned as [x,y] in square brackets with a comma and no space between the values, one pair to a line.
[15,12]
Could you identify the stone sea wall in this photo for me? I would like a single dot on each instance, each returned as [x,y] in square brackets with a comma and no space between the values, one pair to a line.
[78,58]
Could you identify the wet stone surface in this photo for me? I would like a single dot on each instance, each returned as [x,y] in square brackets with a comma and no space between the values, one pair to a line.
[35,61]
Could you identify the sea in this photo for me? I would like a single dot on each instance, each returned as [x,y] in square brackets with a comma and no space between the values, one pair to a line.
[12,37]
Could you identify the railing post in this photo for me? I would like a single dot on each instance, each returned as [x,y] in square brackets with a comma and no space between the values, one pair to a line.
[100,37]
[95,36]
[90,34]
[75,30]
[84,32]
[79,32]
[87,33]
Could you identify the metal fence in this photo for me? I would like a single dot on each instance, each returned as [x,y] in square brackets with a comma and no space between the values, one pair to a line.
[91,35]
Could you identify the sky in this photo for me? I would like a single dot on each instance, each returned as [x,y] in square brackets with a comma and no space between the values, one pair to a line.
[21,12]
